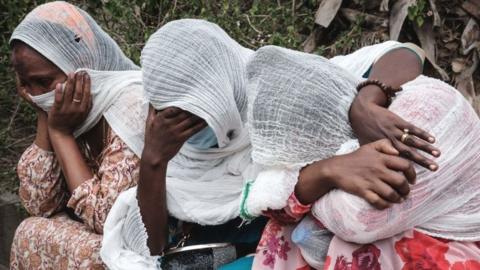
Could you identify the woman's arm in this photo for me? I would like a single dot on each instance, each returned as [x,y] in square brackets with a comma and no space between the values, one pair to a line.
[374,172]
[41,139]
[119,171]
[370,119]
[64,116]
[165,133]
[42,189]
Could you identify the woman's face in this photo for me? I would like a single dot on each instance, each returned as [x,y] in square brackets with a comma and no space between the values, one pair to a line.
[34,73]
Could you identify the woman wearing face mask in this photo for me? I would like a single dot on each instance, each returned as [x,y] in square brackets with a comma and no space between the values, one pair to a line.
[197,84]
[89,135]
[205,146]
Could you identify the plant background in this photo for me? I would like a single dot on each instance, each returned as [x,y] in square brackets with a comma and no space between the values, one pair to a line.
[447,30]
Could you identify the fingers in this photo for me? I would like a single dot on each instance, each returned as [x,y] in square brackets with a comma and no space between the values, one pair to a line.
[375,200]
[69,89]
[420,133]
[78,89]
[412,154]
[59,95]
[175,116]
[86,103]
[385,146]
[410,174]
[422,145]
[170,112]
[398,182]
[386,192]
[194,129]
[402,165]
[189,122]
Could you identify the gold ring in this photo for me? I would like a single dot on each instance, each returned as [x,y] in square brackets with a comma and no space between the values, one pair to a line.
[405,135]
[76,100]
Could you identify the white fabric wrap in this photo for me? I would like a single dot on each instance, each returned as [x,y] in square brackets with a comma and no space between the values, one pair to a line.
[275,183]
[188,63]
[124,243]
[53,30]
[445,203]
[297,114]
[117,94]
[309,113]
[194,65]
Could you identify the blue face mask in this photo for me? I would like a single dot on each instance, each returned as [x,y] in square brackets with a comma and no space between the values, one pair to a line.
[204,139]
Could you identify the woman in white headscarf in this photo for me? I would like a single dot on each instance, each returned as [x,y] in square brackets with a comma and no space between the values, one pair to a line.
[435,226]
[89,135]
[195,79]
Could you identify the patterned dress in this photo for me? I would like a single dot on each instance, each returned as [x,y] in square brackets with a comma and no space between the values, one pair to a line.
[51,238]
[410,250]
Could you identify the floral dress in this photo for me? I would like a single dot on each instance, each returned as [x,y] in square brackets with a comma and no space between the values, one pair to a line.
[276,249]
[52,238]
[410,250]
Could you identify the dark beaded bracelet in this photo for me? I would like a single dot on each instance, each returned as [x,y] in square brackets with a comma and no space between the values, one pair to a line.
[389,91]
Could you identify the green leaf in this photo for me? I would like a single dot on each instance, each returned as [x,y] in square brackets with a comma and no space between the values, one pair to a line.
[420,21]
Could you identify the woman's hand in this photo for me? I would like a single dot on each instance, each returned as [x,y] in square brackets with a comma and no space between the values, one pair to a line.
[372,122]
[166,131]
[72,104]
[374,172]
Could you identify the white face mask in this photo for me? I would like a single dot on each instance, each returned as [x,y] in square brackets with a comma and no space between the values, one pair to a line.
[45,101]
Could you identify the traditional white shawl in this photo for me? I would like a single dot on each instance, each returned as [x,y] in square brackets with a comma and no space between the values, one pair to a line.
[295,121]
[190,63]
[194,65]
[72,40]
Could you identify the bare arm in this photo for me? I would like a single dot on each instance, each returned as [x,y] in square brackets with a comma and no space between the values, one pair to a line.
[394,68]
[166,132]
[41,139]
[370,119]
[373,172]
[152,201]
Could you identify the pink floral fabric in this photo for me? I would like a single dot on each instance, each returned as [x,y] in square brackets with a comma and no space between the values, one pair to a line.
[44,194]
[276,249]
[405,251]
[55,243]
[410,250]
[42,189]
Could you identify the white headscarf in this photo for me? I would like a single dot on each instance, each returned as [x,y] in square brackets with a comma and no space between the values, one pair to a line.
[194,65]
[73,41]
[307,121]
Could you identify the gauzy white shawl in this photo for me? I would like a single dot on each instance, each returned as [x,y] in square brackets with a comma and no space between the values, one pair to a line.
[72,40]
[194,65]
[308,121]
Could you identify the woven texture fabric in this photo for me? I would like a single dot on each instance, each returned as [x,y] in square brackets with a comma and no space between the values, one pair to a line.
[73,41]
[194,65]
[445,203]
[298,107]
[296,121]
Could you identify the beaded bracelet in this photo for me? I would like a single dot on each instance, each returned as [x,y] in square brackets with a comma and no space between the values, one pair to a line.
[389,91]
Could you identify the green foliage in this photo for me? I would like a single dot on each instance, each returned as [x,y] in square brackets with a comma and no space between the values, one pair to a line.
[16,117]
[130,23]
[253,23]
[417,12]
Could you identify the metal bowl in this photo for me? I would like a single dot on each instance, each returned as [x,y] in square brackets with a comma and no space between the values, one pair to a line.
[201,257]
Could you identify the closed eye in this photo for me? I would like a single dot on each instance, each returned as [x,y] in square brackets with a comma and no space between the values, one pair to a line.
[44,82]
